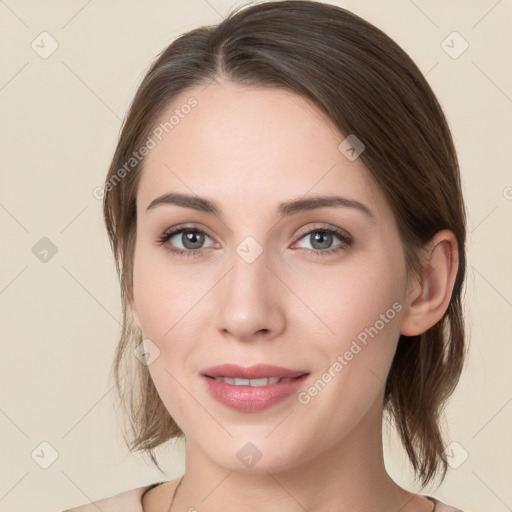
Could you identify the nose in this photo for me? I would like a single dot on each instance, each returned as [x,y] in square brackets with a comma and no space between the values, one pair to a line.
[251,299]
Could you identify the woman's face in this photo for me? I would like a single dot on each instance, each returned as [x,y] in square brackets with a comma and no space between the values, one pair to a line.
[265,284]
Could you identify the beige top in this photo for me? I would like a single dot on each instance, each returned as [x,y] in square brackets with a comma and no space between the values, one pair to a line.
[131,501]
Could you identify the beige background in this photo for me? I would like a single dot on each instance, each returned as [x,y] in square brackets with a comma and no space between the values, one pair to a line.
[61,118]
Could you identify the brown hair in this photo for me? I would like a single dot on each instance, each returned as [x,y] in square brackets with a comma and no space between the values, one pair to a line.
[368,86]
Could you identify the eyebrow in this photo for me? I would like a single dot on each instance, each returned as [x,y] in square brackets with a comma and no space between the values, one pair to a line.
[287,208]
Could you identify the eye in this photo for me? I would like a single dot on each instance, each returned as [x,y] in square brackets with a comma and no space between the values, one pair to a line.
[321,238]
[190,237]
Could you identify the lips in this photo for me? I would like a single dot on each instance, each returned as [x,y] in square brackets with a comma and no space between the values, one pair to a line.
[253,388]
[259,371]
[251,399]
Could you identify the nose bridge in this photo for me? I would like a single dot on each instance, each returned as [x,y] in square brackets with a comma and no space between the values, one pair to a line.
[250,276]
[250,298]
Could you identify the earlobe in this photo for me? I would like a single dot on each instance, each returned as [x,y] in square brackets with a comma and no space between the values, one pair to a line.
[428,301]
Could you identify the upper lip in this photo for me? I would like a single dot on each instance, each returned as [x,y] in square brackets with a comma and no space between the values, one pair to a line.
[258,371]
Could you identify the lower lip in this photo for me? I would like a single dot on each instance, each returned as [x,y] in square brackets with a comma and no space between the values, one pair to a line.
[252,398]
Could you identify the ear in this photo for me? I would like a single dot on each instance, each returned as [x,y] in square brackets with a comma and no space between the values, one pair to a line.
[429,296]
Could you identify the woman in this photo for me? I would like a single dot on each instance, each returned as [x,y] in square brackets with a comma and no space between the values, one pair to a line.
[285,210]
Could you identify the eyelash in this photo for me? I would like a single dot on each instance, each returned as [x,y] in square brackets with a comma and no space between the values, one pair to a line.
[346,241]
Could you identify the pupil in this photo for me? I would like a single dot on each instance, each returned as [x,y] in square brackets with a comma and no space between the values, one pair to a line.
[325,235]
[190,236]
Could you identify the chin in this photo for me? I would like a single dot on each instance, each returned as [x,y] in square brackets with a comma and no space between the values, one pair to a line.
[256,454]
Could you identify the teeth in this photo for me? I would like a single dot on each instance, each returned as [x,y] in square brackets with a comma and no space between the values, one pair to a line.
[252,382]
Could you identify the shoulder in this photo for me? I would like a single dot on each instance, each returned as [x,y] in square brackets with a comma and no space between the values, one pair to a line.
[443,507]
[157,497]
[128,501]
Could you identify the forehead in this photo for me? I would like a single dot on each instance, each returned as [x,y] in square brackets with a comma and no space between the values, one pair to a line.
[242,144]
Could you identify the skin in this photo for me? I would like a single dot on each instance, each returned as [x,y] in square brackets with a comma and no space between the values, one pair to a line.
[250,149]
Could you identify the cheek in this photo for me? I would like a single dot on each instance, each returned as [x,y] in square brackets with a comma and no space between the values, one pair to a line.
[150,297]
[160,295]
[362,310]
[347,299]
[359,306]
